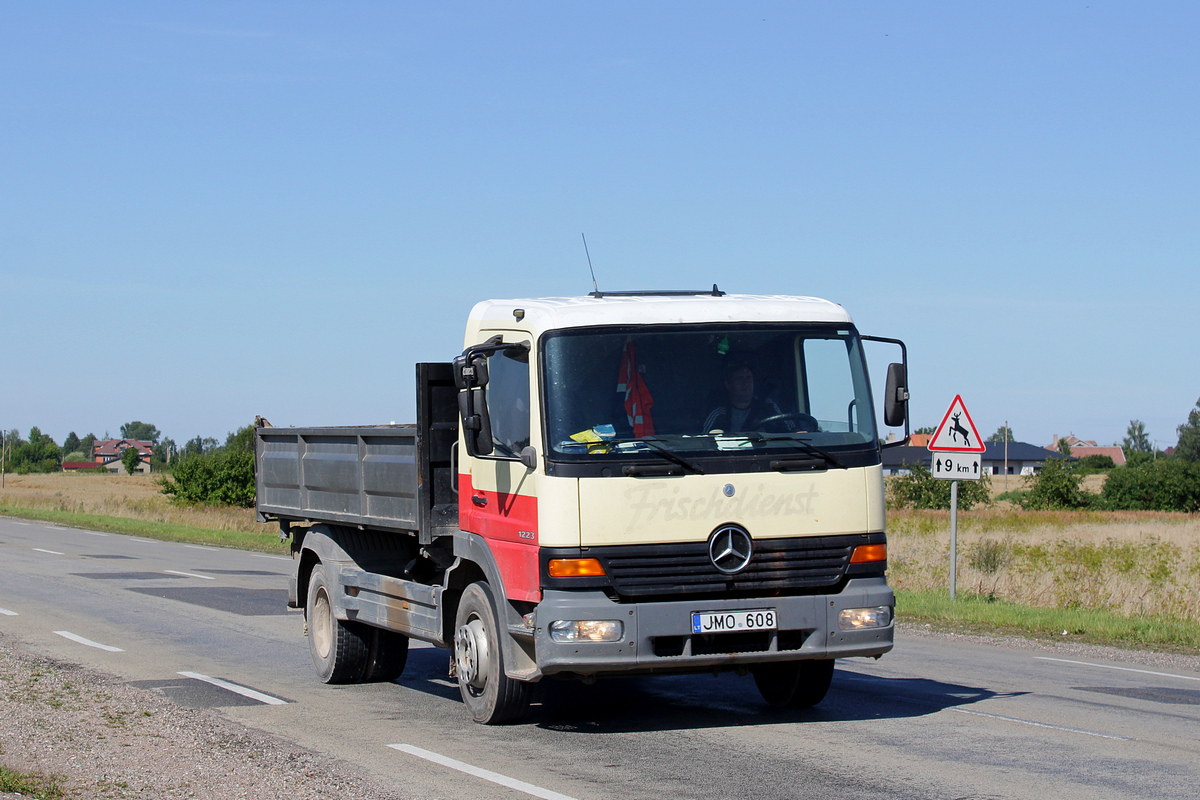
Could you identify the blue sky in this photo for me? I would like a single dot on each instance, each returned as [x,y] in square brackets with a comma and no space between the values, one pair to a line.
[211,211]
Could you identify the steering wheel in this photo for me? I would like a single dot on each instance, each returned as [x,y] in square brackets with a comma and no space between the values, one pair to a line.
[804,422]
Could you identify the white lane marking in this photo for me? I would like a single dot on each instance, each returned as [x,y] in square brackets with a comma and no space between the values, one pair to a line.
[189,574]
[51,552]
[233,687]
[78,530]
[14,522]
[1122,669]
[264,555]
[1043,724]
[478,772]
[77,638]
[5,612]
[200,547]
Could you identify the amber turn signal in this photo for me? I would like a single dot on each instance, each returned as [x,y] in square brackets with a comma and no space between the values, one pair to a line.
[865,553]
[575,568]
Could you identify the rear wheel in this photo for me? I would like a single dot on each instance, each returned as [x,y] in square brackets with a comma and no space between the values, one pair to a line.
[490,695]
[338,649]
[794,684]
[386,657]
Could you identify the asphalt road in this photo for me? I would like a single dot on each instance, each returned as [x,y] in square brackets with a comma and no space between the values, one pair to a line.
[936,718]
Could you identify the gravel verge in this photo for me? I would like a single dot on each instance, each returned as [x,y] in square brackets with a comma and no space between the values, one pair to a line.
[104,739]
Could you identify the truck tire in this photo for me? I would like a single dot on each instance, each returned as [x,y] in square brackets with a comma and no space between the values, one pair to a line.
[338,649]
[794,684]
[491,696]
[386,656]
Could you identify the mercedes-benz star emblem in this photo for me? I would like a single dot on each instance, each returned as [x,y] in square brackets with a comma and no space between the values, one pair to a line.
[730,548]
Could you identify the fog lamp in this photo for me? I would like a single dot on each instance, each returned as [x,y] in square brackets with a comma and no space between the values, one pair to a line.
[856,619]
[586,630]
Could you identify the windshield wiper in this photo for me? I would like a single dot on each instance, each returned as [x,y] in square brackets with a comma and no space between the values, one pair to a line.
[828,457]
[656,447]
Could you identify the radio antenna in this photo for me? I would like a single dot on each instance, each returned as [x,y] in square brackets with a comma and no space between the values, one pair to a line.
[589,258]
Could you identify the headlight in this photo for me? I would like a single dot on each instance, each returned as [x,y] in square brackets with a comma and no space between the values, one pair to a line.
[587,630]
[856,619]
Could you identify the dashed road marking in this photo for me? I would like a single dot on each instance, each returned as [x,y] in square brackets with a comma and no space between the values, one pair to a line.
[189,574]
[233,687]
[5,612]
[264,555]
[1122,669]
[74,637]
[479,772]
[1043,724]
[51,552]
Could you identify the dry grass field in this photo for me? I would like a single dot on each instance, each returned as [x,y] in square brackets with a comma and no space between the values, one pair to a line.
[1129,562]
[132,496]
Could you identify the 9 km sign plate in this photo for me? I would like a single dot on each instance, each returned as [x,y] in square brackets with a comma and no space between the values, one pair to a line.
[956,466]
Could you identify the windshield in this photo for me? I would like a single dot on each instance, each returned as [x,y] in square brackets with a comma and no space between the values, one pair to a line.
[701,391]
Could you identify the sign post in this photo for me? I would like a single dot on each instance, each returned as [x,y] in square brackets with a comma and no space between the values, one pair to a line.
[956,449]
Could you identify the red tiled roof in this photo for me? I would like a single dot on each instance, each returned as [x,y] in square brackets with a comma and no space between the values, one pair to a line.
[111,448]
[79,465]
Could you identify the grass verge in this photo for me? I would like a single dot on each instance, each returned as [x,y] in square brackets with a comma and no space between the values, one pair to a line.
[167,531]
[42,787]
[976,613]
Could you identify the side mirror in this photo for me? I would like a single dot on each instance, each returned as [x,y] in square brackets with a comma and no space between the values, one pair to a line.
[471,378]
[895,400]
[529,457]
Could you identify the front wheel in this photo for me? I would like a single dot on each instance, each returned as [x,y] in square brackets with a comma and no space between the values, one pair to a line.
[794,684]
[491,696]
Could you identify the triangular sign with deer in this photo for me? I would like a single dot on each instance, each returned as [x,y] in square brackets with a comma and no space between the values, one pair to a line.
[957,433]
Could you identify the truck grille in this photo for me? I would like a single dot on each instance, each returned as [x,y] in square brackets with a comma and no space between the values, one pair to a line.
[779,566]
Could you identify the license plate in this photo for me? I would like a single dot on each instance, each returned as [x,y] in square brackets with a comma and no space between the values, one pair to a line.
[759,619]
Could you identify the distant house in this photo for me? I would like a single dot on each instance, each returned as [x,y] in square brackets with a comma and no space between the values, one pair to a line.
[108,453]
[1082,447]
[1022,459]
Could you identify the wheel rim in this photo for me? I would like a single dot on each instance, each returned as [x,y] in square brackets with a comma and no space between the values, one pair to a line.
[471,654]
[322,623]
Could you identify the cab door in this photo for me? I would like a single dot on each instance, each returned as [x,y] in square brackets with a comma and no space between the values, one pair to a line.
[497,495]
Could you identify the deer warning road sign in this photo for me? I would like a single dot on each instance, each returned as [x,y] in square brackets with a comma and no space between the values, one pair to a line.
[957,432]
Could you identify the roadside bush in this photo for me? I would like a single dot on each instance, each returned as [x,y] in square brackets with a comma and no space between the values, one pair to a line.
[224,477]
[1163,485]
[919,489]
[1057,485]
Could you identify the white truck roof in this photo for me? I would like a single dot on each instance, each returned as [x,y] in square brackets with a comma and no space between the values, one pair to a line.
[556,313]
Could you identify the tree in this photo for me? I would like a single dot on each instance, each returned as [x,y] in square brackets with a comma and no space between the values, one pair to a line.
[87,445]
[163,452]
[1056,485]
[70,444]
[142,431]
[242,439]
[1064,447]
[1189,436]
[928,430]
[919,489]
[130,458]
[39,454]
[224,477]
[1002,434]
[1136,439]
[199,446]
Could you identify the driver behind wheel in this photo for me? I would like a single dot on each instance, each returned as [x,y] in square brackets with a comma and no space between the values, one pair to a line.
[744,411]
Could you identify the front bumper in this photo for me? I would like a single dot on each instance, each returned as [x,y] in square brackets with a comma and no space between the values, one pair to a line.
[658,636]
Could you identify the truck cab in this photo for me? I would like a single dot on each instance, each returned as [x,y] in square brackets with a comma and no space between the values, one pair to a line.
[676,482]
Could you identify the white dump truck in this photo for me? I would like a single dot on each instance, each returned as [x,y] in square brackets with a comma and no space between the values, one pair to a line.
[629,483]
